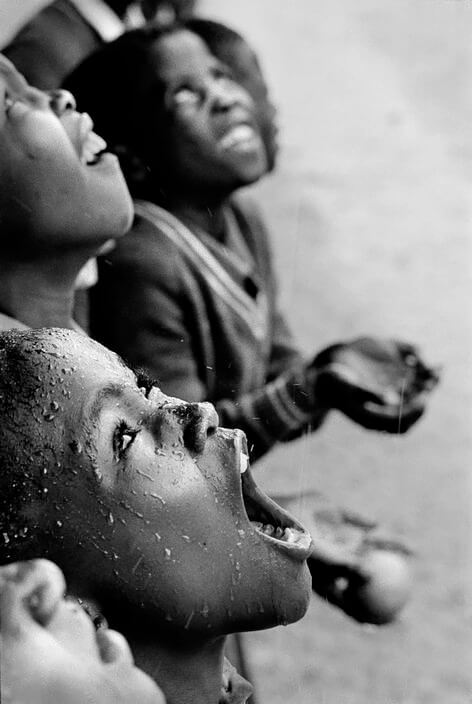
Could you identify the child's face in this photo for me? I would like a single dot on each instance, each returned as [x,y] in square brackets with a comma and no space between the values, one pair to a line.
[150,503]
[247,71]
[50,650]
[55,185]
[215,142]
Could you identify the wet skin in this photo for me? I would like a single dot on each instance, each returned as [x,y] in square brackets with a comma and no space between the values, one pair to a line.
[51,651]
[143,503]
[56,184]
[213,134]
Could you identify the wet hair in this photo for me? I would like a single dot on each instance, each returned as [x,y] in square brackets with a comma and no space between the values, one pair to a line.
[29,452]
[113,85]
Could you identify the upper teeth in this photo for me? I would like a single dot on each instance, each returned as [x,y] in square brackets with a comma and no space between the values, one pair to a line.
[237,134]
[92,146]
[243,462]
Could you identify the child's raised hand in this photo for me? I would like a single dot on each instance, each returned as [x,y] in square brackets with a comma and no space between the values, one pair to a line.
[50,650]
[379,384]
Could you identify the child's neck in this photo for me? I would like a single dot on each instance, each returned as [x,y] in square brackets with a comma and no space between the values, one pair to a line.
[187,675]
[40,293]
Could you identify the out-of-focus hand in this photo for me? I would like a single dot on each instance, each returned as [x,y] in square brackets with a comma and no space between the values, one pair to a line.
[380,384]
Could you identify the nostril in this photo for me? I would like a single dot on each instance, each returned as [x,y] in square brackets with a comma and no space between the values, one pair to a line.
[202,424]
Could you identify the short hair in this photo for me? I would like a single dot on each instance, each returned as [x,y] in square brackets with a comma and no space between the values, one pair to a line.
[111,85]
[27,453]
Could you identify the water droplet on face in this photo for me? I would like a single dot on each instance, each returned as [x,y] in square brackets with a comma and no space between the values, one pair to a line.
[137,564]
[159,498]
[146,476]
[76,447]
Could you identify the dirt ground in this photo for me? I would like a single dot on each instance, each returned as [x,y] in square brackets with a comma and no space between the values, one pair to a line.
[370,213]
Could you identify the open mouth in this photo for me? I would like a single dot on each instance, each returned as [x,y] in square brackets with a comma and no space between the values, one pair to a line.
[241,137]
[268,519]
[93,148]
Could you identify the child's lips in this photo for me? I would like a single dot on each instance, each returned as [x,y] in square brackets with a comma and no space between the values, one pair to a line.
[266,517]
[239,137]
[91,145]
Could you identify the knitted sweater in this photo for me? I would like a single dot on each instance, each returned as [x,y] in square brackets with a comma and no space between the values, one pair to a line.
[201,317]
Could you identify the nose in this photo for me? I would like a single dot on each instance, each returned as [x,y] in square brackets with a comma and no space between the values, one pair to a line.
[222,95]
[61,101]
[201,422]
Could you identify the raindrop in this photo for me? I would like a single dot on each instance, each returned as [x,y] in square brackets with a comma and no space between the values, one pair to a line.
[168,553]
[59,524]
[110,519]
[157,536]
[159,498]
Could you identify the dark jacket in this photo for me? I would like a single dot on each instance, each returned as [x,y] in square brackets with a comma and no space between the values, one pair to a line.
[201,316]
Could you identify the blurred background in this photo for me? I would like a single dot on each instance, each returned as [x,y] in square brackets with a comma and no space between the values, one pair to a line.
[370,211]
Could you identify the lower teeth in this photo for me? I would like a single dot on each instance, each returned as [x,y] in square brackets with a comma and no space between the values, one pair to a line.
[287,535]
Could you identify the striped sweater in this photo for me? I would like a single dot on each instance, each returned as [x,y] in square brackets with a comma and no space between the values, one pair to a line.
[201,317]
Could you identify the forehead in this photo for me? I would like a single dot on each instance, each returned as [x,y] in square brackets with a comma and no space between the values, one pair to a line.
[72,356]
[181,54]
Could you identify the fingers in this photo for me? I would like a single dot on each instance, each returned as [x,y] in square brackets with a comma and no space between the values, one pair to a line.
[29,590]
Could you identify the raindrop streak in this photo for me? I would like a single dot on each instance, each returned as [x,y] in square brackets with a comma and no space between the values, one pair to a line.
[159,498]
[137,564]
[146,476]
[168,553]
[189,620]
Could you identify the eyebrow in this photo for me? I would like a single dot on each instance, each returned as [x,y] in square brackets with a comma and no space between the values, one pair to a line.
[110,391]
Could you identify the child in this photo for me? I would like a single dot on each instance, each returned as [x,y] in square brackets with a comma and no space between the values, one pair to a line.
[189,294]
[234,51]
[62,196]
[145,504]
[51,652]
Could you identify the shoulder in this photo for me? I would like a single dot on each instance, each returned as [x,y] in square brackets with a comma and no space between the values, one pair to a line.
[146,251]
[252,225]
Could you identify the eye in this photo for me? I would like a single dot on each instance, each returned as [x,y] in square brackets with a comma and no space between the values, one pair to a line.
[186,96]
[123,438]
